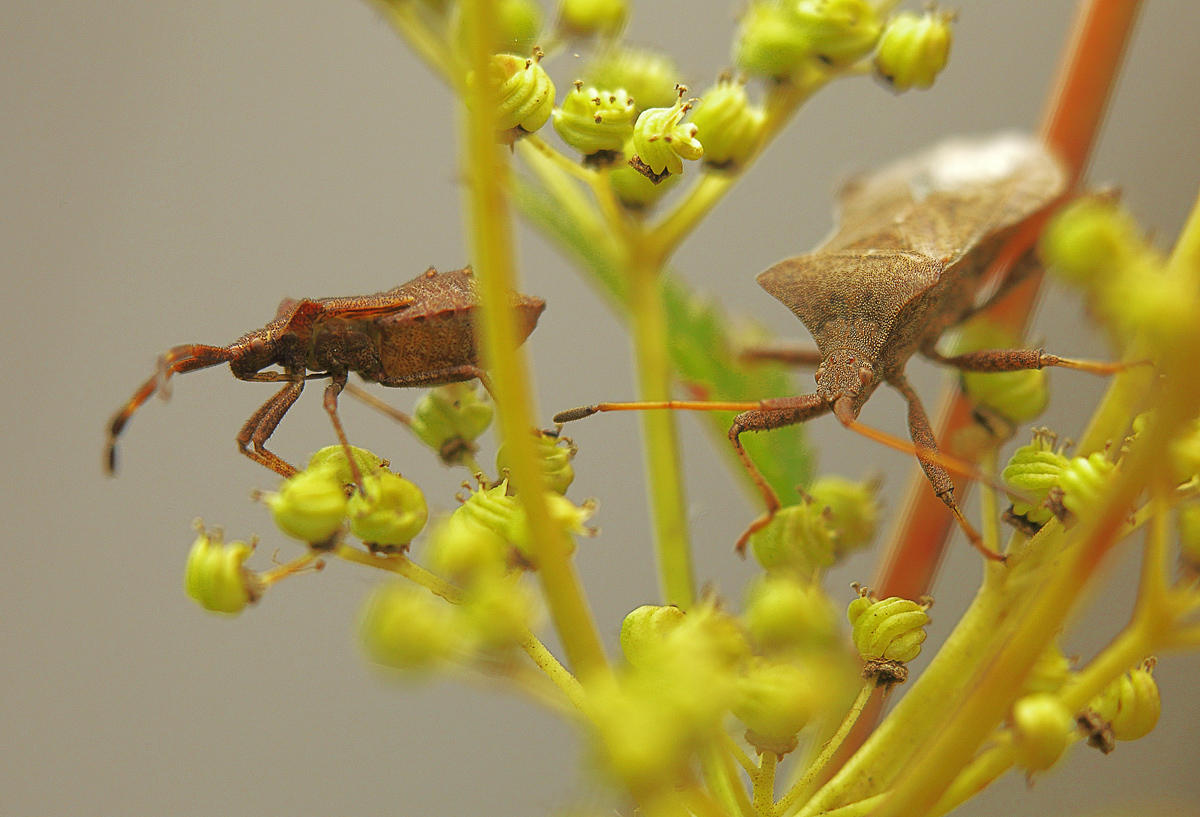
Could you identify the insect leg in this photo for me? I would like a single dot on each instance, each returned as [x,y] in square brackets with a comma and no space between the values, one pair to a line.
[177,360]
[939,478]
[774,413]
[262,424]
[1013,360]
[786,354]
[331,395]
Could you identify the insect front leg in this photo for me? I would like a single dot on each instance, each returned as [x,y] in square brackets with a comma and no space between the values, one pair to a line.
[928,454]
[261,425]
[331,395]
[773,413]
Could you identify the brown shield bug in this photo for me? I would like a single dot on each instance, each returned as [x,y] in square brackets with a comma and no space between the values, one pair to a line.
[421,333]
[906,263]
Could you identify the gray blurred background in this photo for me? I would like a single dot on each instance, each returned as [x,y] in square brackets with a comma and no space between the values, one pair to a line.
[171,170]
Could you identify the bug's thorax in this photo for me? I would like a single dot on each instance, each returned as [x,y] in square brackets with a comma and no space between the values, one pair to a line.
[845,379]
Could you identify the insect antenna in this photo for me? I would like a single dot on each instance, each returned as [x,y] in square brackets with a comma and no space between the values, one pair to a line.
[178,360]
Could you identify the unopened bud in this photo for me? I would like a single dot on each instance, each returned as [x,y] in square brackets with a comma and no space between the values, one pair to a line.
[661,141]
[914,49]
[450,418]
[388,512]
[731,126]
[405,628]
[310,506]
[592,120]
[556,454]
[585,18]
[839,32]
[1042,729]
[215,576]
[525,93]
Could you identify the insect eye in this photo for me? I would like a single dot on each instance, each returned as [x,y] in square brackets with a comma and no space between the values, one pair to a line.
[817,375]
[865,375]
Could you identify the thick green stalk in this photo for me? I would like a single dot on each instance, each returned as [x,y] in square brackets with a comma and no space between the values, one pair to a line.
[486,170]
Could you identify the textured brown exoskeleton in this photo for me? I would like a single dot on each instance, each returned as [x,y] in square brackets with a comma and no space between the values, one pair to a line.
[421,333]
[906,263]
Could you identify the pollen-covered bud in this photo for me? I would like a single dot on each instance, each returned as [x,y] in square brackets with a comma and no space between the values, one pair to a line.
[593,121]
[770,43]
[1089,241]
[839,32]
[450,418]
[914,49]
[1082,482]
[644,631]
[518,24]
[310,506]
[1034,470]
[556,454]
[466,551]
[334,456]
[786,614]
[387,513]
[405,628]
[215,576]
[661,141]
[1018,396]
[1042,729]
[732,127]
[525,93]
[647,77]
[586,18]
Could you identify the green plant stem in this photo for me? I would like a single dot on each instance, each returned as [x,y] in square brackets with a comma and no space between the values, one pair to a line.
[486,170]
[764,784]
[664,469]
[801,786]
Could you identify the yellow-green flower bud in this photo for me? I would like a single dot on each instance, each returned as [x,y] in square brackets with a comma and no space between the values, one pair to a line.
[661,141]
[776,700]
[786,614]
[1016,396]
[1083,480]
[1130,705]
[797,540]
[1042,729]
[850,509]
[647,77]
[1034,470]
[518,24]
[215,576]
[591,120]
[497,612]
[732,127]
[503,514]
[406,628]
[388,512]
[713,636]
[585,18]
[450,418]
[839,32]
[645,630]
[334,456]
[525,93]
[1089,241]
[914,48]
[310,506]
[634,190]
[556,454]
[1189,536]
[465,551]
[1049,673]
[770,43]
[892,629]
